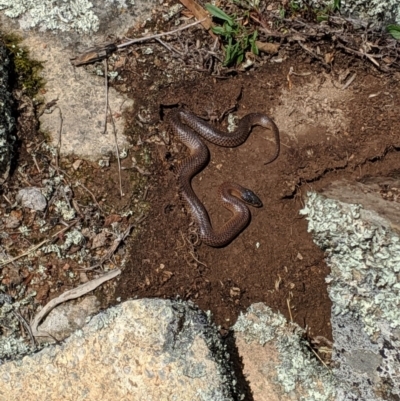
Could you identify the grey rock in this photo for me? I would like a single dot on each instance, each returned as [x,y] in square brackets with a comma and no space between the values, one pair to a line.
[11,342]
[376,11]
[277,363]
[7,122]
[63,30]
[363,251]
[140,350]
[31,198]
[66,318]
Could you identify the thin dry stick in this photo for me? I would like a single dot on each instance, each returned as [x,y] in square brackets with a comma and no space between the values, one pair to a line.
[290,311]
[170,48]
[26,325]
[117,151]
[313,351]
[67,296]
[159,35]
[36,163]
[8,200]
[37,246]
[91,194]
[59,137]
[106,85]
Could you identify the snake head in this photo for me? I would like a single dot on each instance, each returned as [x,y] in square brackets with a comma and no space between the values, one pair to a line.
[251,198]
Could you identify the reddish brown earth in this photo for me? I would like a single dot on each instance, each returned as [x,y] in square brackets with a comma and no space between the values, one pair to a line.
[327,133]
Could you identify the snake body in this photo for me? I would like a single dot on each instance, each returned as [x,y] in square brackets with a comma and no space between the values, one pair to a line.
[234,197]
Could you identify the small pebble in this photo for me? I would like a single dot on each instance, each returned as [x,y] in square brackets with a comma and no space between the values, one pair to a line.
[31,198]
[77,164]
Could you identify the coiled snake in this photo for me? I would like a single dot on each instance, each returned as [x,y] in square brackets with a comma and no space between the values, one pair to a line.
[234,197]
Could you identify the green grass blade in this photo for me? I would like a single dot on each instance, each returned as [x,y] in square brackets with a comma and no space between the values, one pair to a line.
[394,30]
[218,13]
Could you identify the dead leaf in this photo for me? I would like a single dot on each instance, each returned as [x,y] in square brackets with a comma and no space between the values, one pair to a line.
[99,240]
[329,57]
[267,47]
[199,13]
[166,276]
[42,292]
[112,218]
[388,60]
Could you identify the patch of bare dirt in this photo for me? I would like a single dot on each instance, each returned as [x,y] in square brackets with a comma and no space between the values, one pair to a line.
[326,132]
[331,127]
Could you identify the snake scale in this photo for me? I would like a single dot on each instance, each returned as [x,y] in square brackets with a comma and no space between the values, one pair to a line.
[187,127]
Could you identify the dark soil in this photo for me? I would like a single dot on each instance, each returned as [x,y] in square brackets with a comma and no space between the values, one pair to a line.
[326,134]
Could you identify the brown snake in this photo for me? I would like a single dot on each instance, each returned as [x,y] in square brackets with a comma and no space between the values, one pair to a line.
[234,197]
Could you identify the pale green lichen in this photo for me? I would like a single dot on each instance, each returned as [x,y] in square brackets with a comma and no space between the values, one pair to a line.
[374,10]
[73,237]
[53,15]
[365,262]
[364,286]
[67,212]
[11,344]
[298,372]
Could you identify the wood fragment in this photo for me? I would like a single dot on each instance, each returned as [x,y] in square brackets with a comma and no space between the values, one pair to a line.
[67,296]
[94,54]
[268,47]
[200,14]
[101,52]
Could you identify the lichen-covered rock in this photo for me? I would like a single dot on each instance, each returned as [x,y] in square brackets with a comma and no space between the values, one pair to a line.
[48,14]
[364,285]
[12,344]
[57,31]
[66,318]
[276,361]
[140,350]
[374,10]
[7,123]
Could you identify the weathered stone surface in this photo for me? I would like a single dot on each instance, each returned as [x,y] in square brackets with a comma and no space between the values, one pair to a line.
[377,11]
[276,361]
[355,226]
[141,350]
[64,319]
[31,198]
[66,29]
[7,123]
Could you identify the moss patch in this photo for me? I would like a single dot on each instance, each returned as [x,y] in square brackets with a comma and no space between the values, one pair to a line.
[27,72]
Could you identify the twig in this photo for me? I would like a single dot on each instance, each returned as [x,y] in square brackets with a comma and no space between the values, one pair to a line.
[67,296]
[309,51]
[319,358]
[36,163]
[106,86]
[37,246]
[26,325]
[159,35]
[349,81]
[8,200]
[289,309]
[99,53]
[170,48]
[58,147]
[91,194]
[117,152]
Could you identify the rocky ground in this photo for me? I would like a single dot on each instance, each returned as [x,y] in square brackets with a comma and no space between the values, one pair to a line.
[101,162]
